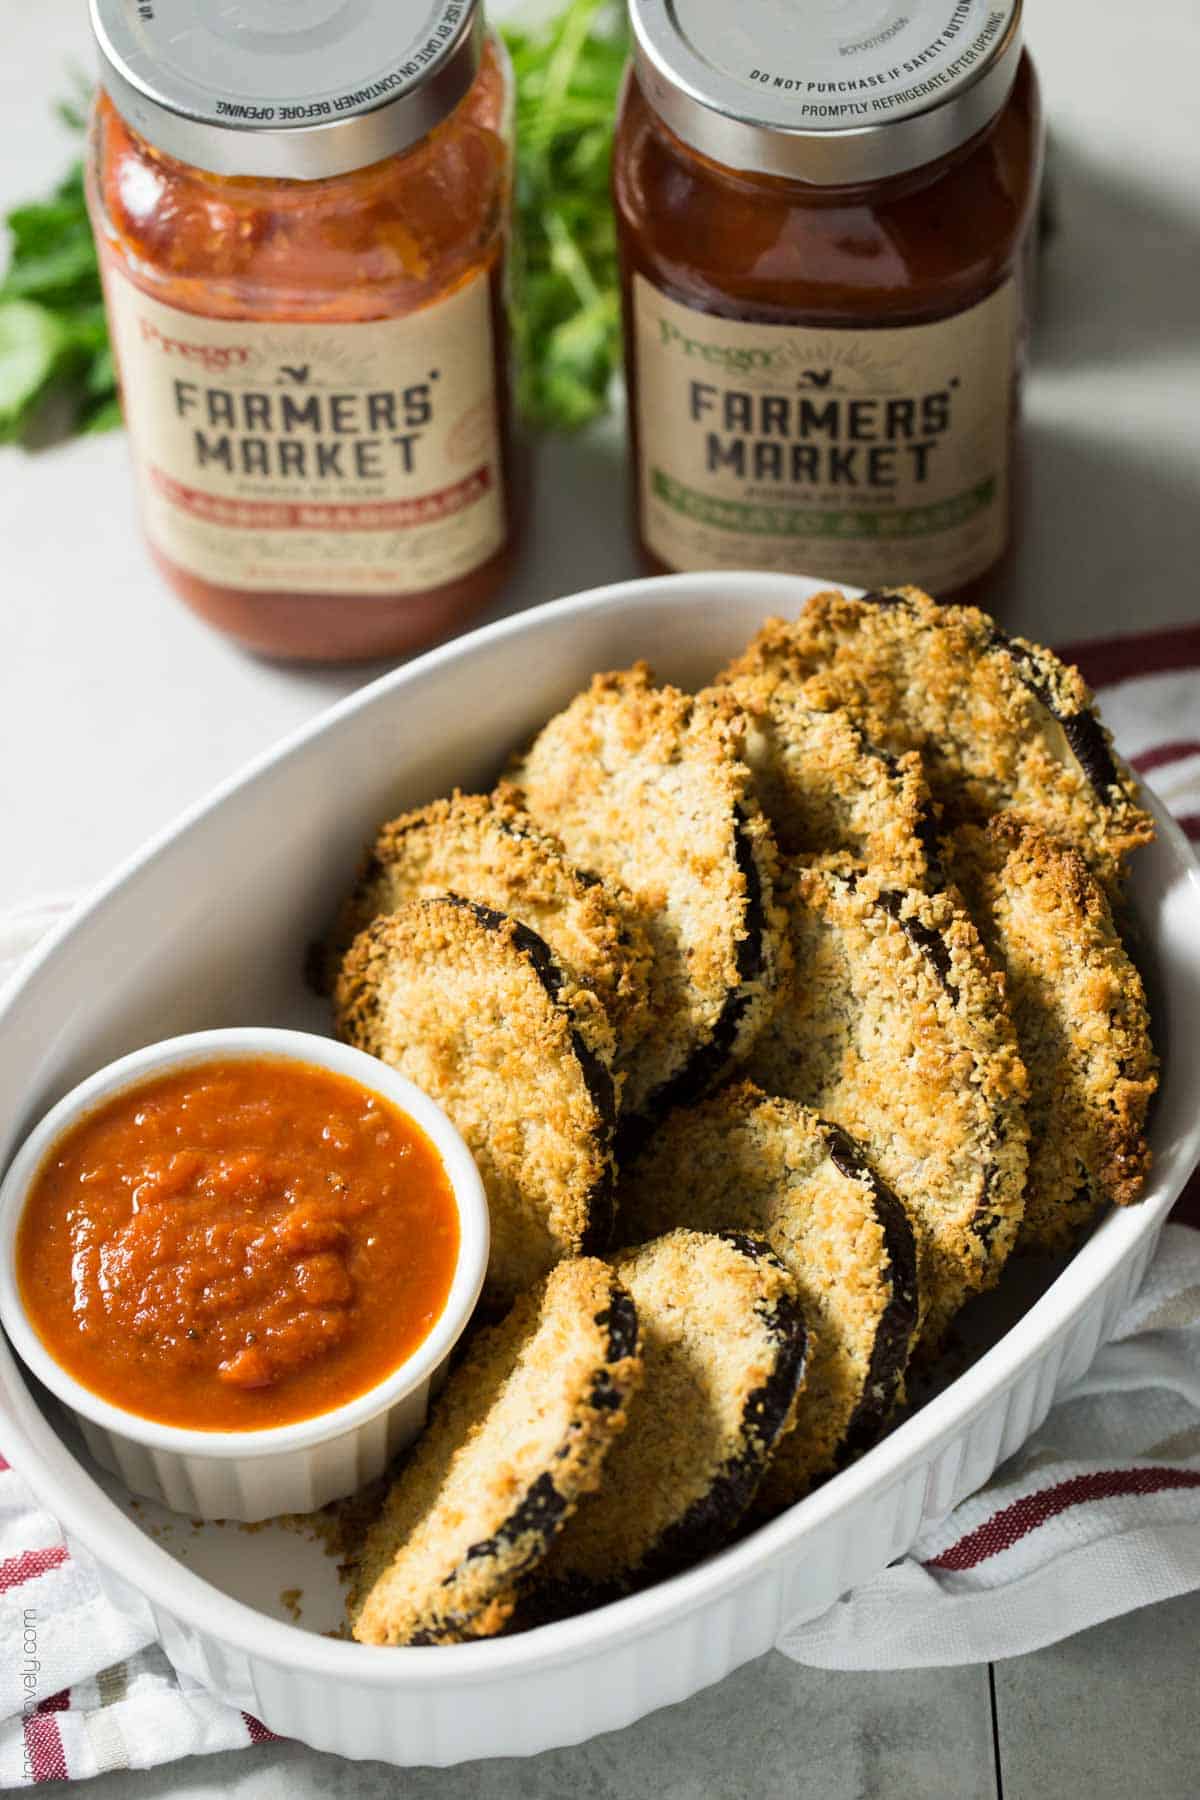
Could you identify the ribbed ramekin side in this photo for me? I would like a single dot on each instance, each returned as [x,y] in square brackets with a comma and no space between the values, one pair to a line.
[251,1488]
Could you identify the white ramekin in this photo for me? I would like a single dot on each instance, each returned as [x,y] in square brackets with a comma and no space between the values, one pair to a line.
[249,1475]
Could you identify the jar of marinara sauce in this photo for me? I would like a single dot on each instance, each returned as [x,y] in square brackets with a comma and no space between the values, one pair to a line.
[824,214]
[302,208]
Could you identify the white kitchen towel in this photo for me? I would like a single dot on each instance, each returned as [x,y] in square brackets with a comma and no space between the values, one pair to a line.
[1097,1515]
[84,1687]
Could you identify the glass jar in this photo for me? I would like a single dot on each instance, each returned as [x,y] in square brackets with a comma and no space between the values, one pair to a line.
[825,224]
[303,217]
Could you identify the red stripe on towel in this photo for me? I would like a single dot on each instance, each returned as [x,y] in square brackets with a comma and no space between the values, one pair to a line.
[31,1563]
[258,1731]
[1012,1523]
[59,1702]
[1106,661]
[44,1751]
[1165,753]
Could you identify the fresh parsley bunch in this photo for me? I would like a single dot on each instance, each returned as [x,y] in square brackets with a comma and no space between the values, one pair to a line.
[568,309]
[53,337]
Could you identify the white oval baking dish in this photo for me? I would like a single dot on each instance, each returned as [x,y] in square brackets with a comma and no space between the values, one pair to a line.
[208,926]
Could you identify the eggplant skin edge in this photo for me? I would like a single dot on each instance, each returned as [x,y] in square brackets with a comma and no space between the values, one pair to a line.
[359,1013]
[530,1527]
[928,943]
[597,1079]
[1086,738]
[712,1519]
[890,1352]
[712,1059]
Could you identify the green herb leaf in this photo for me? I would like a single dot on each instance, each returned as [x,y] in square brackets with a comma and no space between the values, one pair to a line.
[103,417]
[32,342]
[53,334]
[73,108]
[63,274]
[567,312]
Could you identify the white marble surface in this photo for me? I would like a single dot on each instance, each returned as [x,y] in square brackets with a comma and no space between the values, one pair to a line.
[117,709]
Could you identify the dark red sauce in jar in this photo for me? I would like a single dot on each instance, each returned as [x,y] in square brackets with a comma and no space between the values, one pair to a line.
[825,239]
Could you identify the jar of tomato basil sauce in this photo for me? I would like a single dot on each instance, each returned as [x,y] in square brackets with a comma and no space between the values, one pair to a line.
[302,208]
[824,214]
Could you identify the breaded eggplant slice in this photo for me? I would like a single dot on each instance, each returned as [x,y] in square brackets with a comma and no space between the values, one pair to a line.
[1082,1024]
[473,1008]
[894,1026]
[1000,723]
[649,786]
[517,1436]
[723,1341]
[485,847]
[825,789]
[747,1161]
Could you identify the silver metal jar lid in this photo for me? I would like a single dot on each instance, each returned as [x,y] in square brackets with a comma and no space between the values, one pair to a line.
[293,88]
[826,91]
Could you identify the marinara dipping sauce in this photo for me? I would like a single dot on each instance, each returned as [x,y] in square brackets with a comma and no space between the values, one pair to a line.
[302,213]
[238,1244]
[824,215]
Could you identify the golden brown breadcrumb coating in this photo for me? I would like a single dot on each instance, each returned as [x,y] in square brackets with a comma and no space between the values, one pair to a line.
[723,1344]
[1000,723]
[748,1161]
[825,788]
[486,847]
[1082,1025]
[518,1435]
[894,1026]
[648,785]
[472,1007]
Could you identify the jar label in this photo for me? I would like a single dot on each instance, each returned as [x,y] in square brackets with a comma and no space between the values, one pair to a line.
[868,456]
[355,458]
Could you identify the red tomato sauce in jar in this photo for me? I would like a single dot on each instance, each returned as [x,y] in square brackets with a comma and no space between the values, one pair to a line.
[240,1244]
[307,305]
